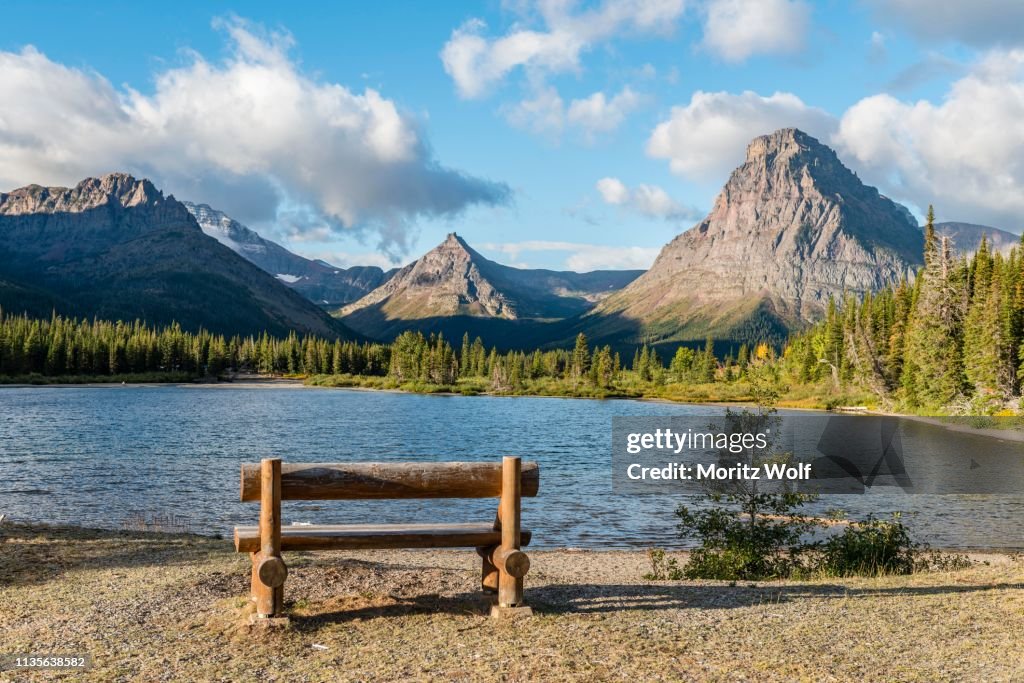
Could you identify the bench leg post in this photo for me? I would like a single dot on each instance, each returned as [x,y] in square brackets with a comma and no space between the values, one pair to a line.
[255,583]
[269,570]
[510,588]
[488,573]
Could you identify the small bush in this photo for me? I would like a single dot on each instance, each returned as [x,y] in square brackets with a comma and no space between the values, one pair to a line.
[873,547]
[764,543]
[733,549]
[663,567]
[876,547]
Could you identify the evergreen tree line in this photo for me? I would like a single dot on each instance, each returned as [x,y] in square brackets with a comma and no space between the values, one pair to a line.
[951,339]
[68,347]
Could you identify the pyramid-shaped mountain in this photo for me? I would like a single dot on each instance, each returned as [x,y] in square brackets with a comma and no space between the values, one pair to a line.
[452,288]
[791,228]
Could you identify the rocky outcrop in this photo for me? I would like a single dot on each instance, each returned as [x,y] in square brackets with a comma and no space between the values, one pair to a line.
[318,281]
[791,227]
[115,247]
[454,281]
[112,189]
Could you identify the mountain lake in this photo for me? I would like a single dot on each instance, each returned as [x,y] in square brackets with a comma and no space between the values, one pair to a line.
[168,457]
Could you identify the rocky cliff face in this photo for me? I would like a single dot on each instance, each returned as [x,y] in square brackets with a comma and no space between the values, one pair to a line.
[454,281]
[115,247]
[320,282]
[791,227]
[61,223]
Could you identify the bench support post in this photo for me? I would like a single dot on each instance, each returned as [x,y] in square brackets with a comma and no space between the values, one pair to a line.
[268,569]
[488,572]
[510,586]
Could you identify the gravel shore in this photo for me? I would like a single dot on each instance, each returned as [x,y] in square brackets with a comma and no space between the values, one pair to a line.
[161,607]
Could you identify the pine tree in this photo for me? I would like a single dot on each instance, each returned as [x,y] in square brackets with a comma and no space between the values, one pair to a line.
[932,358]
[580,357]
[710,363]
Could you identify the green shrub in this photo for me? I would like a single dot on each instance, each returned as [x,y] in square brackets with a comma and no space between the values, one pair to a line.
[663,567]
[876,547]
[762,539]
[870,548]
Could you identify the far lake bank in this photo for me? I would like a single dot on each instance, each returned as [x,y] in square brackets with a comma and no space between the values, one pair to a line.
[951,423]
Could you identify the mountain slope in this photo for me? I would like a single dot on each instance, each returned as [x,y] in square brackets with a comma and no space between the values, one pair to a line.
[967,236]
[791,227]
[318,281]
[115,247]
[453,288]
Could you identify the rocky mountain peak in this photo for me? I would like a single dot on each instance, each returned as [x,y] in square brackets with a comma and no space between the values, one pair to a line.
[787,142]
[110,189]
[115,247]
[791,227]
[455,245]
[791,162]
[454,282]
[447,280]
[223,228]
[317,280]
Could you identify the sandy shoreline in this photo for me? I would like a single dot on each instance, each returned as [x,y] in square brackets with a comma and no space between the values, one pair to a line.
[174,607]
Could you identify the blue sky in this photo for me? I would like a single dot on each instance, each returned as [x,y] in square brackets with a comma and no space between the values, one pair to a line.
[548,134]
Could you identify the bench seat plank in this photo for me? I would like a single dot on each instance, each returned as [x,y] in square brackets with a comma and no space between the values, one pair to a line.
[376,536]
[388,480]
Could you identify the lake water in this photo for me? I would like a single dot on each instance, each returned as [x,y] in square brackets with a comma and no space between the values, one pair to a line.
[107,456]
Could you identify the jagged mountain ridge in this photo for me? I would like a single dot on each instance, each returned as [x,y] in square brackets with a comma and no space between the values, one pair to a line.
[791,227]
[453,282]
[115,247]
[966,237]
[318,281]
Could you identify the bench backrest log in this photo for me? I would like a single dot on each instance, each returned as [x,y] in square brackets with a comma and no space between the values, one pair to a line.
[375,480]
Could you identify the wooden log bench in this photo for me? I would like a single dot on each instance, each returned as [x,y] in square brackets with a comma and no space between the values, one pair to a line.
[499,543]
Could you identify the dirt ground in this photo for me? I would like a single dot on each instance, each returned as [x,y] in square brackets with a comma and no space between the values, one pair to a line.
[158,607]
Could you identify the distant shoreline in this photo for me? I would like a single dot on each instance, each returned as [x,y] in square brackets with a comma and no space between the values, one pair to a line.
[263,383]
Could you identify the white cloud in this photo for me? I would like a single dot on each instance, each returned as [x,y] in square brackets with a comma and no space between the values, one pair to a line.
[596,257]
[546,113]
[964,154]
[477,62]
[582,257]
[232,134]
[345,259]
[707,138]
[649,200]
[543,113]
[983,23]
[613,191]
[736,29]
[600,114]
